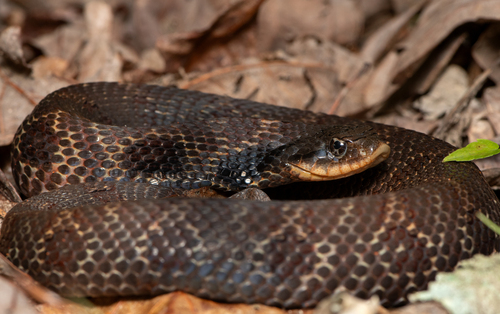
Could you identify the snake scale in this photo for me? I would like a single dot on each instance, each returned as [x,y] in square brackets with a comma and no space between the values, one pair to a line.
[386,231]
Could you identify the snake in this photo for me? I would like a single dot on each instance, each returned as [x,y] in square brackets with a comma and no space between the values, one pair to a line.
[99,163]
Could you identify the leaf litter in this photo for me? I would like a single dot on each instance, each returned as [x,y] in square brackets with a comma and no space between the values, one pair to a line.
[385,60]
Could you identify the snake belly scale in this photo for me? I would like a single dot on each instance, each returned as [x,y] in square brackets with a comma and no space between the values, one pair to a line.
[392,228]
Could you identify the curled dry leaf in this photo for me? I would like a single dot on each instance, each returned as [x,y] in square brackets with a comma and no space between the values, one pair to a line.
[433,66]
[486,51]
[11,46]
[380,41]
[458,118]
[224,42]
[196,19]
[438,20]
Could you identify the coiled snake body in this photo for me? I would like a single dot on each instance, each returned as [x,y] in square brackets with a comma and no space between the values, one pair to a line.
[392,229]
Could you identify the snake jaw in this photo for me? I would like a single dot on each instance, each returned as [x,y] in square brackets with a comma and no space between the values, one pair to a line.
[338,171]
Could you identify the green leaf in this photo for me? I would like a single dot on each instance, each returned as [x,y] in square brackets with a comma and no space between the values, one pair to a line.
[475,150]
[490,224]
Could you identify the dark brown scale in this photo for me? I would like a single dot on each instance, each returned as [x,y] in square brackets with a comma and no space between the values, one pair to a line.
[395,226]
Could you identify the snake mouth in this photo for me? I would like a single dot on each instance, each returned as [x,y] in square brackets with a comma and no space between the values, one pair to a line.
[342,170]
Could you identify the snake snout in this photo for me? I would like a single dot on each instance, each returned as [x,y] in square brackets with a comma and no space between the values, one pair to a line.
[359,156]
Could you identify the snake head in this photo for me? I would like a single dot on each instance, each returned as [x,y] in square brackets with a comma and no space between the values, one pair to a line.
[330,152]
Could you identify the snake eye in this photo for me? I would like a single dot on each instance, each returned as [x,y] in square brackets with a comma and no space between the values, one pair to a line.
[338,148]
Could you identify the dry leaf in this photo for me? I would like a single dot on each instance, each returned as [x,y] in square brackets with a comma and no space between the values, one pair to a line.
[380,84]
[18,96]
[10,45]
[98,60]
[65,42]
[13,300]
[486,51]
[152,60]
[48,66]
[294,85]
[381,39]
[444,95]
[438,60]
[491,97]
[437,21]
[479,129]
[373,7]
[458,118]
[402,5]
[175,302]
[281,21]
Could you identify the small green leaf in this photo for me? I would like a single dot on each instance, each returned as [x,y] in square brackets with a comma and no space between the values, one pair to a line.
[490,224]
[475,150]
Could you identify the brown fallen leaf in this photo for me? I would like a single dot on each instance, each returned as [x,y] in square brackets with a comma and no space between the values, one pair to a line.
[480,128]
[11,46]
[373,8]
[342,61]
[18,96]
[433,66]
[49,66]
[152,60]
[492,176]
[491,97]
[13,300]
[436,22]
[458,118]
[445,93]
[222,43]
[486,51]
[98,60]
[294,85]
[380,86]
[401,5]
[381,39]
[281,21]
[145,25]
[175,302]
